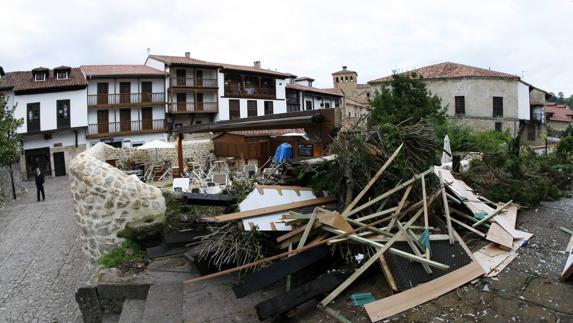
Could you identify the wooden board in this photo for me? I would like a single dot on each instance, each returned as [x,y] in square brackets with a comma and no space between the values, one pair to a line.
[493,265]
[335,220]
[273,209]
[277,271]
[568,269]
[499,235]
[423,293]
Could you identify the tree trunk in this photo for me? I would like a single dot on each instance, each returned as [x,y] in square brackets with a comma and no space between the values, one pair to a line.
[12,180]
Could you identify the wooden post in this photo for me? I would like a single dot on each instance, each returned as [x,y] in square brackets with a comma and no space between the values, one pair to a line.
[446,209]
[492,215]
[180,153]
[426,221]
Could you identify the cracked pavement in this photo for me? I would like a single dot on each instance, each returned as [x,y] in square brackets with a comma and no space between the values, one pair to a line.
[41,264]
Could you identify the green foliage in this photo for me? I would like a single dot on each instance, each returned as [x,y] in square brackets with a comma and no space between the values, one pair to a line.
[176,206]
[464,139]
[405,99]
[126,252]
[565,148]
[9,140]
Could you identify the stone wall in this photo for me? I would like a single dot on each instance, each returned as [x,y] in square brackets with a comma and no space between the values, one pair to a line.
[6,184]
[488,124]
[194,151]
[105,199]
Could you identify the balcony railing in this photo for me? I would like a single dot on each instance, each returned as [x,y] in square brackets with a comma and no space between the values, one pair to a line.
[193,107]
[251,92]
[33,125]
[125,98]
[193,82]
[127,127]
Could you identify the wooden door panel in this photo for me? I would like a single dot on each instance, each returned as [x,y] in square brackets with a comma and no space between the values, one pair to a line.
[147,118]
[125,119]
[103,121]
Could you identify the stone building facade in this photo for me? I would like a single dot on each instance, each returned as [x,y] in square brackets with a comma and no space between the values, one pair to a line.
[105,199]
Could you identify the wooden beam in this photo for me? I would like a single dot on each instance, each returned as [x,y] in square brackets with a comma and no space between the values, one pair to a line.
[307,230]
[423,293]
[346,212]
[387,273]
[399,208]
[446,209]
[486,218]
[273,209]
[180,154]
[460,223]
[390,192]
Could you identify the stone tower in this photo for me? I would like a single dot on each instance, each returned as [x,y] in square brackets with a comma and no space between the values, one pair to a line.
[345,80]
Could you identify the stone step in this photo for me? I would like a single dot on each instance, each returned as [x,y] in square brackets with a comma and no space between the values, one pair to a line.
[164,303]
[132,311]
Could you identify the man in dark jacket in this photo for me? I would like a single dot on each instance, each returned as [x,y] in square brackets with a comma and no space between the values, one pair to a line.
[39,177]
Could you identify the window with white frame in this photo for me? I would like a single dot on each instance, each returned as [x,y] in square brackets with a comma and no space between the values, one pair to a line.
[40,76]
[62,75]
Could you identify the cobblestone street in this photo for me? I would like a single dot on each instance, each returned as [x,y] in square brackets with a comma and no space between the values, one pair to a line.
[41,264]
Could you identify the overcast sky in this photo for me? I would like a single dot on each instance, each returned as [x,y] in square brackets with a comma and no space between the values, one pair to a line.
[532,38]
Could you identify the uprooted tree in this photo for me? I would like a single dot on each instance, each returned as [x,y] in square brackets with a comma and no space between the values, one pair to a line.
[9,139]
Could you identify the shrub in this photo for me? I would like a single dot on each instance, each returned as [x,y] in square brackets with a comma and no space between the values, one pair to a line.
[126,252]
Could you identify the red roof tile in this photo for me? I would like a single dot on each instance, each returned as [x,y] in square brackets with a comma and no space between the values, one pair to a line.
[558,112]
[451,70]
[121,70]
[300,87]
[182,60]
[24,81]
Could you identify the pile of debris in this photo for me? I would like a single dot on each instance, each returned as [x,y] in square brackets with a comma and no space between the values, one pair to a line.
[415,244]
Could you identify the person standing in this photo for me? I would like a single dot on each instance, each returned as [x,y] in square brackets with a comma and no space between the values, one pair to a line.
[39,177]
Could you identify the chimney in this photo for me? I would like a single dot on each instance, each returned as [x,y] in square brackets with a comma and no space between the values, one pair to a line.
[344,67]
[187,54]
[257,64]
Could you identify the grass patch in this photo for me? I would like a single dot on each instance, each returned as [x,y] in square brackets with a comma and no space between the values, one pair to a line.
[126,252]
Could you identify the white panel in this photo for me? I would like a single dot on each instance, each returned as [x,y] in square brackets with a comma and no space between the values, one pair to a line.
[66,138]
[523,106]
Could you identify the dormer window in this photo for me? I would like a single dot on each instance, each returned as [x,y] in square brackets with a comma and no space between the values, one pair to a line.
[40,77]
[62,75]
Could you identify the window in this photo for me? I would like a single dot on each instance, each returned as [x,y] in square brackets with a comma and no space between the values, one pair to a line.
[308,105]
[497,106]
[337,103]
[269,107]
[498,126]
[327,105]
[368,94]
[234,109]
[33,116]
[63,113]
[305,150]
[460,103]
[251,108]
[40,76]
[62,75]
[531,132]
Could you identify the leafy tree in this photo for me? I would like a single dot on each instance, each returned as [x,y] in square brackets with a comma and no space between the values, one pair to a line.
[9,139]
[405,99]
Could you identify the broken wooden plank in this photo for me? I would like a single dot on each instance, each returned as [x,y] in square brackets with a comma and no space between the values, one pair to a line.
[273,209]
[421,294]
[283,303]
[335,220]
[460,223]
[499,235]
[357,199]
[446,210]
[277,271]
[401,204]
[387,273]
[488,217]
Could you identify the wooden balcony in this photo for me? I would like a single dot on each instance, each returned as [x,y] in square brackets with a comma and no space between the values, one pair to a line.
[125,99]
[189,82]
[33,125]
[126,128]
[193,107]
[251,92]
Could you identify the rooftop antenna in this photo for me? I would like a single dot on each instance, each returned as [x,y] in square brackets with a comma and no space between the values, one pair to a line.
[148,50]
[522,74]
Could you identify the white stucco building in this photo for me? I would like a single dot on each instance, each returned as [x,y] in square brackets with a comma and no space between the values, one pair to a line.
[125,104]
[52,104]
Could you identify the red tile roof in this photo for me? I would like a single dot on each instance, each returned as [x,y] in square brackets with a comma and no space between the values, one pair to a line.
[23,82]
[182,60]
[304,88]
[558,112]
[121,70]
[451,70]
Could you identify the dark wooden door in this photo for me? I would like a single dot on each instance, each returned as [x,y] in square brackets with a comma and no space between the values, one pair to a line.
[124,92]
[146,90]
[125,119]
[38,158]
[102,121]
[199,78]
[59,164]
[102,93]
[199,102]
[181,77]
[181,102]
[147,118]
